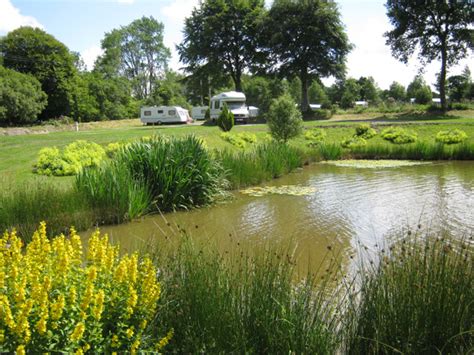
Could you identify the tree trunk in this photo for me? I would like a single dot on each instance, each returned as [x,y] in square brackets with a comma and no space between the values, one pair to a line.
[238,82]
[304,91]
[442,80]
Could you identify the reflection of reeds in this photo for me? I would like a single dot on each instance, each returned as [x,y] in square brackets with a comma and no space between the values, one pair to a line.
[417,300]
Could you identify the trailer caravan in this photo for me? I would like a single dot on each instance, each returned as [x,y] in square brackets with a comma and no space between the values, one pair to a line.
[235,102]
[199,112]
[164,114]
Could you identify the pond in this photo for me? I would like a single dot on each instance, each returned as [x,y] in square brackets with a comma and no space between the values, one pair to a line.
[325,206]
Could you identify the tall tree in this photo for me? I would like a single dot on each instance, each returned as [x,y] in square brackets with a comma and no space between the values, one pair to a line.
[137,52]
[33,51]
[222,34]
[397,91]
[439,30]
[368,89]
[306,38]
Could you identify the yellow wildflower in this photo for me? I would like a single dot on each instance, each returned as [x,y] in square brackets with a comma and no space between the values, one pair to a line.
[20,350]
[98,305]
[129,333]
[78,332]
[134,347]
[57,308]
[115,341]
[164,341]
[41,325]
[143,324]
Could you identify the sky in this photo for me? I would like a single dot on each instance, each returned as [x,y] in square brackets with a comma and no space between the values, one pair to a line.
[81,25]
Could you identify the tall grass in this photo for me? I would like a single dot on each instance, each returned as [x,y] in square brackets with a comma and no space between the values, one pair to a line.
[418,300]
[246,305]
[265,162]
[23,206]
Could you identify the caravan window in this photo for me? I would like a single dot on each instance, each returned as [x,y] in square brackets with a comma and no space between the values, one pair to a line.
[160,111]
[216,104]
[171,112]
[146,113]
[203,112]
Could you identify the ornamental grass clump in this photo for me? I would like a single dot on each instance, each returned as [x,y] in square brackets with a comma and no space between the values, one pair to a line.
[418,299]
[55,299]
[398,135]
[451,136]
[315,136]
[363,130]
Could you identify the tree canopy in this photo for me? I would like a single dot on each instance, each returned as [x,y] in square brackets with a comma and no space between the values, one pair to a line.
[222,35]
[306,38]
[439,30]
[32,51]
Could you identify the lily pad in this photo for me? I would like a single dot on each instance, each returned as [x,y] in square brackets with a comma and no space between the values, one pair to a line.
[375,164]
[292,190]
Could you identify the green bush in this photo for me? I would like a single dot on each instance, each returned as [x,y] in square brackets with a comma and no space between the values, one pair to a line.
[365,131]
[74,158]
[284,119]
[398,135]
[423,95]
[353,142]
[112,148]
[233,139]
[322,114]
[225,121]
[452,136]
[315,135]
[21,97]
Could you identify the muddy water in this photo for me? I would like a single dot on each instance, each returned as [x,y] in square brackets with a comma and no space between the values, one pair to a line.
[348,206]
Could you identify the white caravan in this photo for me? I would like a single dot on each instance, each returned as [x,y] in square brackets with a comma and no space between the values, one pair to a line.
[235,102]
[199,112]
[164,114]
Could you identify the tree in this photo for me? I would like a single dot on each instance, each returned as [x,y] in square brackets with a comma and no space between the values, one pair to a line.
[418,90]
[459,85]
[423,95]
[438,30]
[223,36]
[33,51]
[350,93]
[305,38]
[284,120]
[368,89]
[317,94]
[137,52]
[169,91]
[397,91]
[21,97]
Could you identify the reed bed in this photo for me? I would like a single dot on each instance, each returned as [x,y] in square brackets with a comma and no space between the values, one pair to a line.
[265,162]
[417,300]
[242,304]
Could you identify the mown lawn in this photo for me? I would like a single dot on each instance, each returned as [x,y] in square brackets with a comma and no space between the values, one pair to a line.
[18,153]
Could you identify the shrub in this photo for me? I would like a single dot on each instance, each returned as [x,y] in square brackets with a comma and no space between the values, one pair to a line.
[322,114]
[247,137]
[398,135]
[284,119]
[54,300]
[21,97]
[225,121]
[353,142]
[112,148]
[423,95]
[233,139]
[365,131]
[76,156]
[315,135]
[452,136]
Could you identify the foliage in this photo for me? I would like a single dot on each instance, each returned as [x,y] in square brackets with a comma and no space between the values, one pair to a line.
[137,52]
[398,135]
[66,303]
[397,91]
[284,120]
[155,174]
[423,95]
[350,93]
[368,89]
[113,148]
[417,299]
[260,91]
[21,97]
[438,32]
[207,115]
[223,37]
[365,131]
[225,121]
[353,142]
[306,39]
[31,51]
[239,140]
[315,135]
[169,91]
[452,136]
[76,156]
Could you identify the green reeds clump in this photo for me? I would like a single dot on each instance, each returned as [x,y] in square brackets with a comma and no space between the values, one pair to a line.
[265,162]
[151,175]
[417,300]
[241,304]
[329,151]
[23,206]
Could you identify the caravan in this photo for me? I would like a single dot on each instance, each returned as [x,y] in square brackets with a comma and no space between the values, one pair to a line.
[235,102]
[164,114]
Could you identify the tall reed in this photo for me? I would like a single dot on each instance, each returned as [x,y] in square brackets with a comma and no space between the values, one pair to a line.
[265,162]
[417,300]
[248,304]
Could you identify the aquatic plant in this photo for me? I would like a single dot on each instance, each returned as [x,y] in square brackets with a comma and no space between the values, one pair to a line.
[374,164]
[452,136]
[69,303]
[290,190]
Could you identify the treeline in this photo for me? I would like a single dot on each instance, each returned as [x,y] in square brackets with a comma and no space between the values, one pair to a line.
[241,45]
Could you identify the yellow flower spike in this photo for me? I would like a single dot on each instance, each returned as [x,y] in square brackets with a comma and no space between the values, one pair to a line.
[91,273]
[133,267]
[129,333]
[134,348]
[143,324]
[86,299]
[78,332]
[2,336]
[6,312]
[57,307]
[115,341]
[164,341]
[41,326]
[132,298]
[72,296]
[20,350]
[98,305]
[79,352]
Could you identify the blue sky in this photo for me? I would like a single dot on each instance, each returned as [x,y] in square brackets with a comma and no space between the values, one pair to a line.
[81,24]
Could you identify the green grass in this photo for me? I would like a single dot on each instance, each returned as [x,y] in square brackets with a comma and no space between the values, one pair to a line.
[417,300]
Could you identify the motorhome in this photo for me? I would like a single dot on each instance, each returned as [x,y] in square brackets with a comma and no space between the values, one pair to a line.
[199,112]
[151,115]
[235,102]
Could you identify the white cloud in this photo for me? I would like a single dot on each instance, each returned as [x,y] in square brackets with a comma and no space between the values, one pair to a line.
[89,55]
[125,1]
[11,18]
